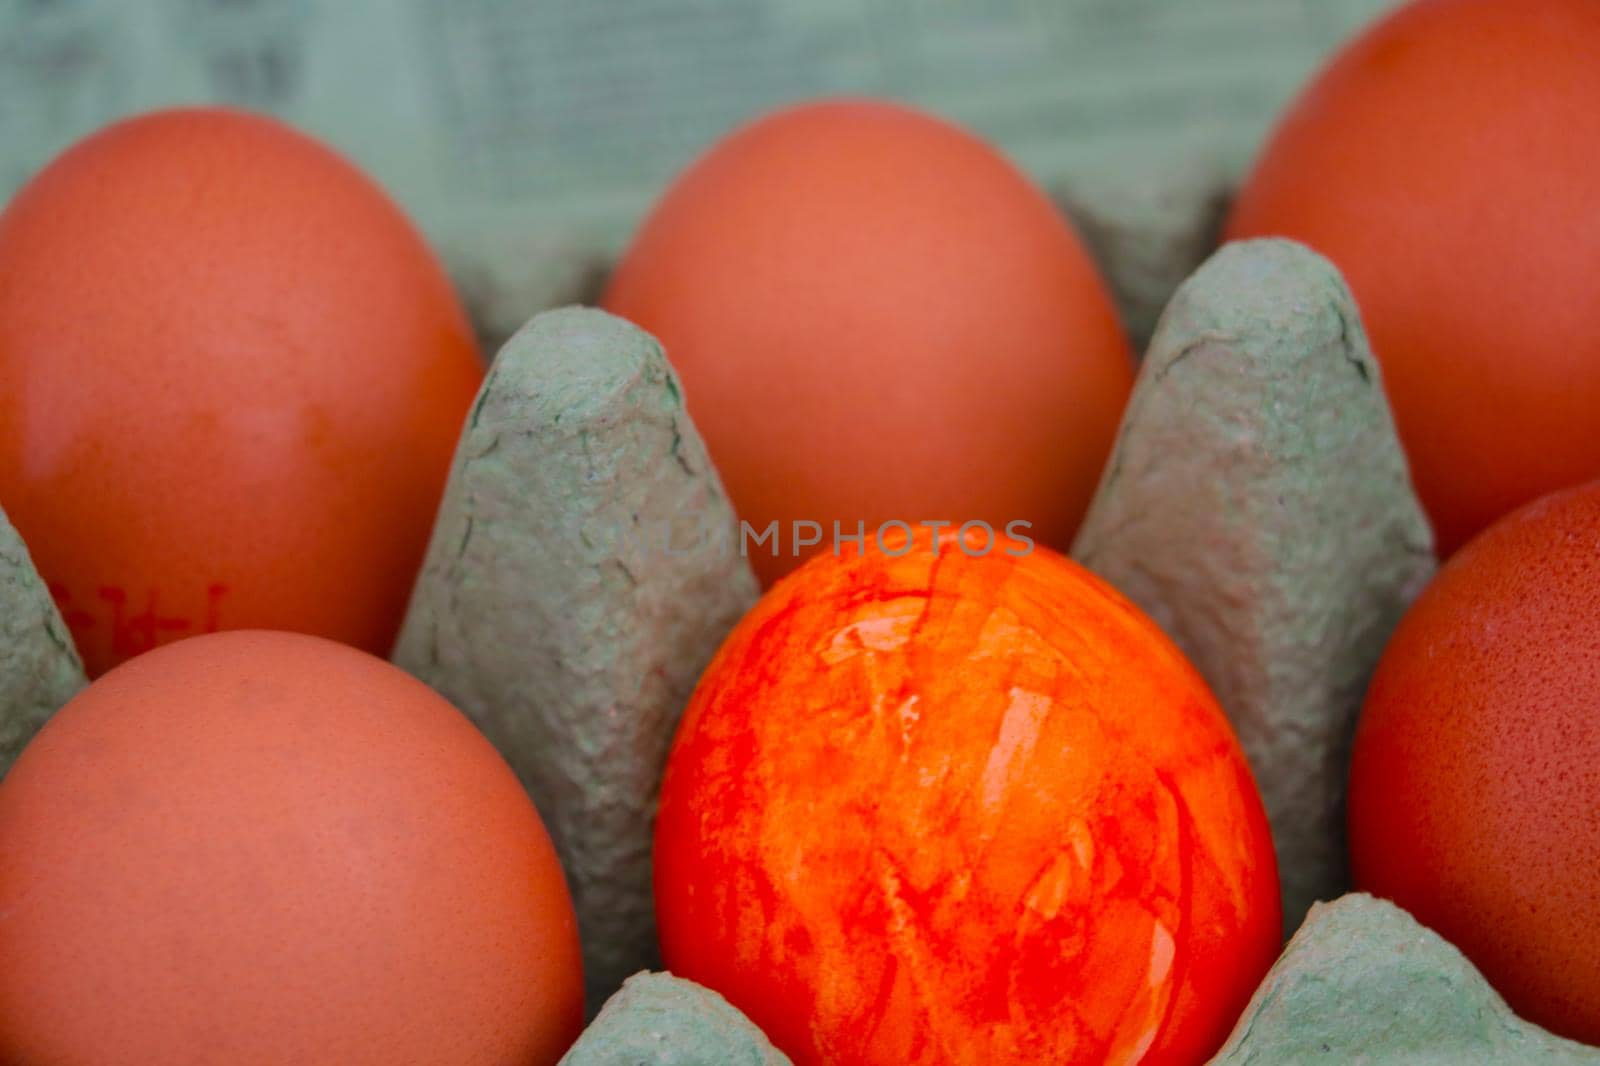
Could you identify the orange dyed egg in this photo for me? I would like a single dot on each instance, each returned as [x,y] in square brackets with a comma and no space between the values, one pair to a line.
[941,808]
[1475,780]
[877,317]
[265,848]
[1446,160]
[231,380]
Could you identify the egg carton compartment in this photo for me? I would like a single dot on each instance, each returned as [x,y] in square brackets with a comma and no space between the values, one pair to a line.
[1256,505]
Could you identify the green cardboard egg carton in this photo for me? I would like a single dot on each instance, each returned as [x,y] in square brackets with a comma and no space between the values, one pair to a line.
[1256,504]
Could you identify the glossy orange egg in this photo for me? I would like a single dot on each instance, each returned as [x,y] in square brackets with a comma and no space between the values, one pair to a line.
[265,848]
[1445,161]
[1475,780]
[877,317]
[937,807]
[231,380]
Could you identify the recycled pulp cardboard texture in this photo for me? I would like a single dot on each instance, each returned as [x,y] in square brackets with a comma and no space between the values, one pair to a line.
[1363,982]
[39,667]
[1148,228]
[507,278]
[661,1020]
[551,611]
[1258,506]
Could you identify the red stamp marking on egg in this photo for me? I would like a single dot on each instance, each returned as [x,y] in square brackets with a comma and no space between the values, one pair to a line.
[134,628]
[132,634]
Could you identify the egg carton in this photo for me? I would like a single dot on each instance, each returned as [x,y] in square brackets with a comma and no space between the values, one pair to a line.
[1256,504]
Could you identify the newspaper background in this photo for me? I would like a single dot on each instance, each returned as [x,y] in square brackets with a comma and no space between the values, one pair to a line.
[527,136]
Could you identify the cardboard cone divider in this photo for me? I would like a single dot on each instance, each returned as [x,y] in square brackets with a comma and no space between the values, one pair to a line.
[1362,981]
[1256,504]
[664,1020]
[577,582]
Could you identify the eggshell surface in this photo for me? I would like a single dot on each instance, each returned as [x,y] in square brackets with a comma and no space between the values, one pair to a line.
[1445,161]
[1475,779]
[936,808]
[254,848]
[231,380]
[876,316]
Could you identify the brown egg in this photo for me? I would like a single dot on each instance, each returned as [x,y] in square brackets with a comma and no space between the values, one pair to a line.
[877,317]
[232,375]
[261,848]
[1475,778]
